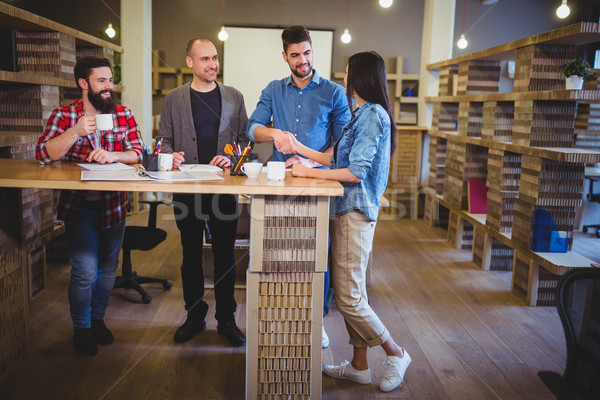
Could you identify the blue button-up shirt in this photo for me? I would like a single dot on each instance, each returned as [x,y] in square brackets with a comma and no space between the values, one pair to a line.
[316,114]
[364,149]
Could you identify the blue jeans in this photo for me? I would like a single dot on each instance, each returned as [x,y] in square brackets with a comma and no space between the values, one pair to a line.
[94,257]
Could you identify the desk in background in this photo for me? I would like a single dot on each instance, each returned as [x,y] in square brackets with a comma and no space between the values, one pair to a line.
[284,281]
[589,213]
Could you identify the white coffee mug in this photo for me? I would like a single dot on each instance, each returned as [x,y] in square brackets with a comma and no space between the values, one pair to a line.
[104,122]
[276,170]
[252,170]
[165,161]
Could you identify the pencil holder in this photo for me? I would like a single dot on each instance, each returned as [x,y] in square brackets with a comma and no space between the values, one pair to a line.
[150,162]
[236,166]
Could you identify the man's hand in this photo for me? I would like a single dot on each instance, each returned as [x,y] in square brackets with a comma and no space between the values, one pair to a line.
[85,125]
[284,142]
[178,159]
[102,156]
[220,161]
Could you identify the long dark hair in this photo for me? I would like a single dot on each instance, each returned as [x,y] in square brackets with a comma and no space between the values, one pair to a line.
[367,77]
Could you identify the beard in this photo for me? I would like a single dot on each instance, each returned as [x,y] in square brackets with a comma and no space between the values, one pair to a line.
[104,105]
[301,74]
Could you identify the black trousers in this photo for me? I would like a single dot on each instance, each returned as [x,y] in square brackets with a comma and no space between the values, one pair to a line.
[192,213]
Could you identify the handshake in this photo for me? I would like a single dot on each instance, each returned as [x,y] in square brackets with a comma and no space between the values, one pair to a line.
[286,143]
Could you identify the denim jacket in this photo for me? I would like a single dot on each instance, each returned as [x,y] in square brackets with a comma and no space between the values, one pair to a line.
[364,149]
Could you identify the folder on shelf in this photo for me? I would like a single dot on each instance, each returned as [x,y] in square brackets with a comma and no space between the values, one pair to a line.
[477,192]
[541,232]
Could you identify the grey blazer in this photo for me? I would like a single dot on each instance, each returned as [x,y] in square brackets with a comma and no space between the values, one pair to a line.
[177,124]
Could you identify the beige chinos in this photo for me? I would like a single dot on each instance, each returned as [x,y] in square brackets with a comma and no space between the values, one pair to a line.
[351,244]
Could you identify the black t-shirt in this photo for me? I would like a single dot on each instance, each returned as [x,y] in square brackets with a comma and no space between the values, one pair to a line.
[206,111]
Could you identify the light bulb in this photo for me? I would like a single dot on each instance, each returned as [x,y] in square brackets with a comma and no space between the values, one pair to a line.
[563,11]
[346,38]
[110,31]
[462,42]
[223,35]
[385,3]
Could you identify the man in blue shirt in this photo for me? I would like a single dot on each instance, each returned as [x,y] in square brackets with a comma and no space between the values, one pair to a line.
[312,108]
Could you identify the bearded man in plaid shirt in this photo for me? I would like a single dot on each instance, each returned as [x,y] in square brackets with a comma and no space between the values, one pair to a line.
[94,220]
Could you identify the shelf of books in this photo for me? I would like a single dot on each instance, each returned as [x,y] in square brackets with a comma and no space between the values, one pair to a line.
[530,148]
[288,235]
[36,75]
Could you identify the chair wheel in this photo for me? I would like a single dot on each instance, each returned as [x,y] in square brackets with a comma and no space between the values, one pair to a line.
[598,234]
[584,229]
[167,285]
[146,299]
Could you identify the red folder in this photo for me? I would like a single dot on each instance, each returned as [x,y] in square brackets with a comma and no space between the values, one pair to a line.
[477,196]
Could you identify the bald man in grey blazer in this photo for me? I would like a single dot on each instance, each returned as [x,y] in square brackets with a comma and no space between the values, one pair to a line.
[197,121]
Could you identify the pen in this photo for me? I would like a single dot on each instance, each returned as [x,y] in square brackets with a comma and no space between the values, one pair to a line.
[158,147]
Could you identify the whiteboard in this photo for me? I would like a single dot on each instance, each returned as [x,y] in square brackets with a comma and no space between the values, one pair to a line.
[252,57]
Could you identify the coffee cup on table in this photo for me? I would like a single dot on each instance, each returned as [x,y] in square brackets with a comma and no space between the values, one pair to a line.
[252,170]
[104,122]
[165,161]
[276,170]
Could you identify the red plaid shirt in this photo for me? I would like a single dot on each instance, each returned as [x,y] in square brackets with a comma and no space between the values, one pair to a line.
[125,136]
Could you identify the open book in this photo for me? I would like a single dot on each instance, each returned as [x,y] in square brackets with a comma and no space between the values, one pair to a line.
[162,176]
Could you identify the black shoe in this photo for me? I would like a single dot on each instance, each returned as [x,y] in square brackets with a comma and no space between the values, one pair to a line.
[84,343]
[101,333]
[188,330]
[232,333]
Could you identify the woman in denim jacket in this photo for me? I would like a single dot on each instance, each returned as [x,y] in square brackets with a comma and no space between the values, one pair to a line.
[360,161]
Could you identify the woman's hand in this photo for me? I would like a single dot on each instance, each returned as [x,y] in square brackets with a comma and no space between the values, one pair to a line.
[301,170]
[301,160]
[297,146]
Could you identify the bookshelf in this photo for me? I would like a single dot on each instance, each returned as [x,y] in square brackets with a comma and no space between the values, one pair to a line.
[524,143]
[405,95]
[45,53]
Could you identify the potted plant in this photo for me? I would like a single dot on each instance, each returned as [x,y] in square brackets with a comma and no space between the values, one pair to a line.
[576,71]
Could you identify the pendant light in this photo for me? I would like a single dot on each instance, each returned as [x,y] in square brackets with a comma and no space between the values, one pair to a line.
[462,41]
[346,38]
[563,10]
[223,35]
[110,31]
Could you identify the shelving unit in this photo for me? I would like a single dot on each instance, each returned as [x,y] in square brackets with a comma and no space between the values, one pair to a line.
[404,178]
[523,144]
[404,105]
[159,73]
[46,53]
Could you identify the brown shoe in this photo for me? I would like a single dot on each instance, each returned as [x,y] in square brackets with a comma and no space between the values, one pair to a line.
[232,333]
[101,333]
[189,329]
[84,342]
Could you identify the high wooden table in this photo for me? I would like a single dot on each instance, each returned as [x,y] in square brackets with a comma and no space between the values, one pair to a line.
[288,252]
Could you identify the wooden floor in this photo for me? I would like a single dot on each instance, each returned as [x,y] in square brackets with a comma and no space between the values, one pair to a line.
[469,338]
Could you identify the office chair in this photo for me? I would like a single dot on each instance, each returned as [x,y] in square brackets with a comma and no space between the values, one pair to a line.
[578,305]
[141,238]
[595,197]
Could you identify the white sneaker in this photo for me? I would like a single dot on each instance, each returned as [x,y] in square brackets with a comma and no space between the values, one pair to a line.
[394,369]
[324,340]
[346,371]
